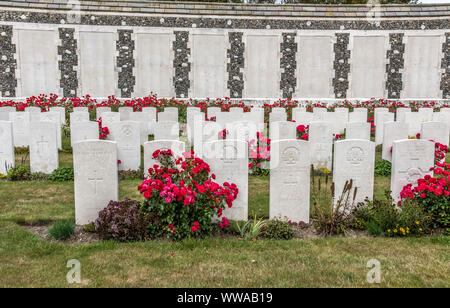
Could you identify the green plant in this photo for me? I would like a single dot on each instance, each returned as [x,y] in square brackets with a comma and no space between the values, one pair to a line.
[123,221]
[333,216]
[381,217]
[61,175]
[249,230]
[62,230]
[383,168]
[19,173]
[277,230]
[182,194]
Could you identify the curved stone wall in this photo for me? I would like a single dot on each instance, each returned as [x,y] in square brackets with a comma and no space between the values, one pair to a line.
[129,48]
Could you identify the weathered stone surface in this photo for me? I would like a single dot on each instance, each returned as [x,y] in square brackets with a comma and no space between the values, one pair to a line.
[21,128]
[228,160]
[435,131]
[321,144]
[411,161]
[96,179]
[43,147]
[127,137]
[358,130]
[167,130]
[7,147]
[290,180]
[283,130]
[85,130]
[393,131]
[354,160]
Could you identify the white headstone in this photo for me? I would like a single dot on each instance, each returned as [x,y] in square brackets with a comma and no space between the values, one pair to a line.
[283,130]
[379,111]
[358,130]
[290,180]
[100,110]
[76,117]
[382,118]
[354,160]
[245,131]
[411,160]
[167,116]
[337,120]
[96,179]
[212,112]
[318,114]
[125,113]
[144,119]
[6,147]
[277,116]
[237,109]
[190,113]
[426,114]
[321,144]
[127,136]
[62,113]
[33,109]
[228,160]
[358,116]
[4,112]
[43,147]
[393,131]
[151,111]
[110,117]
[86,130]
[80,109]
[54,117]
[167,130]
[401,113]
[21,128]
[435,131]
[302,118]
[177,147]
[414,121]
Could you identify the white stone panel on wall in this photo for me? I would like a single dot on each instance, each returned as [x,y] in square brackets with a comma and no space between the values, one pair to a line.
[315,67]
[154,64]
[97,61]
[368,68]
[38,62]
[262,65]
[421,77]
[209,65]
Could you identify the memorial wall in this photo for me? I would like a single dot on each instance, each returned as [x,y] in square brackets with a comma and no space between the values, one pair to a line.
[199,50]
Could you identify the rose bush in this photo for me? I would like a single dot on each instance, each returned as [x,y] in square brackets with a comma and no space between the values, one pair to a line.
[182,194]
[433,193]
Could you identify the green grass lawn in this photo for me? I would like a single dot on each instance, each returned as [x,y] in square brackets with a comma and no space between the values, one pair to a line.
[27,260]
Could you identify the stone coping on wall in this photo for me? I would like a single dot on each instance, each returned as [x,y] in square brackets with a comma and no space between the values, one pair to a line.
[222,9]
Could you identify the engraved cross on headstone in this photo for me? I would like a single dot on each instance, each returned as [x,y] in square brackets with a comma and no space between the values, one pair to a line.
[95,180]
[42,146]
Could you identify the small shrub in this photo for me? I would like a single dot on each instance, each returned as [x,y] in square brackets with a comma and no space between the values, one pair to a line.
[61,175]
[249,230]
[383,218]
[182,194]
[333,216]
[19,173]
[277,230]
[383,168]
[123,221]
[62,230]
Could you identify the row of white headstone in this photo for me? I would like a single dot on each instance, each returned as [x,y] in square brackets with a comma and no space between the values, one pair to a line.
[96,180]
[130,135]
